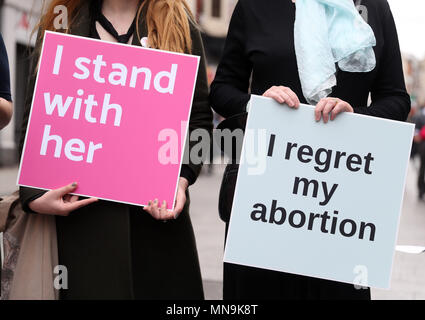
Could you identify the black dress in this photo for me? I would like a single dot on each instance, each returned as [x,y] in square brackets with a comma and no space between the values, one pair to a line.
[260,44]
[4,73]
[118,251]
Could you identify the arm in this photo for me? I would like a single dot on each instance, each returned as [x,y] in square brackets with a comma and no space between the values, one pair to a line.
[389,97]
[201,116]
[5,112]
[5,97]
[54,202]
[229,90]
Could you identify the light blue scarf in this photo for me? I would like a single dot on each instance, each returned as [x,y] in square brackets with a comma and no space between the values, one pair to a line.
[329,32]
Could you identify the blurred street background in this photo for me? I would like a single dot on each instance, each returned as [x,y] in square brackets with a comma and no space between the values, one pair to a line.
[19,17]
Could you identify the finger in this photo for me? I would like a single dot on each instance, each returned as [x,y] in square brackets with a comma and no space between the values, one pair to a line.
[319,108]
[155,210]
[293,96]
[165,214]
[148,208]
[161,210]
[337,110]
[79,204]
[66,189]
[287,98]
[276,96]
[327,109]
[268,92]
[73,198]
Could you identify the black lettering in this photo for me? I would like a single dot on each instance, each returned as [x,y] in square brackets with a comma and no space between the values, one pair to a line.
[328,195]
[368,159]
[292,218]
[326,163]
[334,222]
[262,212]
[311,220]
[338,157]
[342,228]
[354,159]
[289,148]
[325,217]
[372,227]
[271,145]
[305,151]
[306,183]
[273,214]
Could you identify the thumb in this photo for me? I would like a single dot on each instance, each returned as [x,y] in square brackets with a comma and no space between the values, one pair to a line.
[67,189]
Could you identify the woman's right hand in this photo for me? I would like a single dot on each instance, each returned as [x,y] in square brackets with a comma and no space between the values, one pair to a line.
[59,202]
[283,95]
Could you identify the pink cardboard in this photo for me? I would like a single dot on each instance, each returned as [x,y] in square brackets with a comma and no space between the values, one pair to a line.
[115,156]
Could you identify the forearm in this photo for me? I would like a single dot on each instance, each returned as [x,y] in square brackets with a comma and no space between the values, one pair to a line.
[227,100]
[5,112]
[26,195]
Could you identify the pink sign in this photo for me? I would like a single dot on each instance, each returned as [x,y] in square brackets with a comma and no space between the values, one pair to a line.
[102,115]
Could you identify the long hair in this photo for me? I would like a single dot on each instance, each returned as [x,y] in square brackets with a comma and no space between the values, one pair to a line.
[168,22]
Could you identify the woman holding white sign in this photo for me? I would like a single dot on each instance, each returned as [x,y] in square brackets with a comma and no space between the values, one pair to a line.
[287,50]
[112,250]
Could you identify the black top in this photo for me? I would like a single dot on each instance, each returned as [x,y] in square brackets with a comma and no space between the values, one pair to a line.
[95,15]
[4,73]
[261,41]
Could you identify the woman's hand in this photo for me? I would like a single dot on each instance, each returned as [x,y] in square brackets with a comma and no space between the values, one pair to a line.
[283,95]
[6,111]
[160,212]
[334,106]
[59,202]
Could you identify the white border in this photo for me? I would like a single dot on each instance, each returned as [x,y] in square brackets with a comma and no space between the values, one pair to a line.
[198,58]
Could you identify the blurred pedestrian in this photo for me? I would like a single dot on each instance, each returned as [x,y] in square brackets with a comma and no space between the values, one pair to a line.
[419,141]
[5,96]
[261,43]
[114,250]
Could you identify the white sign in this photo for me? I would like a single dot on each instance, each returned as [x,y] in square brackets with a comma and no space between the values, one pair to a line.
[327,201]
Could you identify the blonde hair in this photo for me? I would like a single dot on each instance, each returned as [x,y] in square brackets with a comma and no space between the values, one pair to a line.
[167,22]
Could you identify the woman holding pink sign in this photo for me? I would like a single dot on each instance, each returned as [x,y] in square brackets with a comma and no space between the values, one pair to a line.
[113,250]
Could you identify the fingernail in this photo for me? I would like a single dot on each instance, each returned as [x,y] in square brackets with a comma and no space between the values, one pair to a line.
[74,184]
[164,202]
[149,203]
[155,201]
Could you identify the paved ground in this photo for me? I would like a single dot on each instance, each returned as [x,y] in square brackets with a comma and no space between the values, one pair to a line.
[408,280]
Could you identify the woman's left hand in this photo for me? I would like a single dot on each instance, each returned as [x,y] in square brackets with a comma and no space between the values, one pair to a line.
[160,212]
[333,106]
